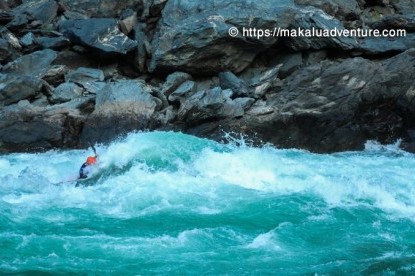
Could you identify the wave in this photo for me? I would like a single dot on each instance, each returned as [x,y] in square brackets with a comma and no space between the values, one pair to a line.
[146,173]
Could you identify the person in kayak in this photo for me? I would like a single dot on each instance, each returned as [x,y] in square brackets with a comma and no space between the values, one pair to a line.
[86,167]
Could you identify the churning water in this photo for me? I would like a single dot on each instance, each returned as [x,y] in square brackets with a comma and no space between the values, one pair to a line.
[169,203]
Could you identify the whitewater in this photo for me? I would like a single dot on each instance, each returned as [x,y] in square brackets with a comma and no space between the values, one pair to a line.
[170,203]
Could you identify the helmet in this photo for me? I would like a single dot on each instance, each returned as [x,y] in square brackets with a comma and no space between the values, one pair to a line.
[91,160]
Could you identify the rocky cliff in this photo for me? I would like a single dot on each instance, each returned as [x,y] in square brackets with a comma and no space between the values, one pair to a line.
[75,72]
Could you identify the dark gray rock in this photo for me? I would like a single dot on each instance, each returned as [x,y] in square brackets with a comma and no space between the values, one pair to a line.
[6,52]
[121,107]
[117,96]
[33,13]
[333,106]
[93,87]
[384,45]
[101,8]
[228,80]
[242,104]
[100,34]
[205,105]
[66,92]
[404,6]
[83,74]
[16,87]
[312,57]
[56,74]
[152,8]
[11,39]
[5,16]
[406,22]
[288,64]
[128,22]
[194,36]
[333,7]
[28,39]
[260,79]
[42,10]
[25,127]
[212,105]
[54,43]
[74,15]
[143,48]
[313,18]
[185,90]
[173,81]
[35,64]
[89,78]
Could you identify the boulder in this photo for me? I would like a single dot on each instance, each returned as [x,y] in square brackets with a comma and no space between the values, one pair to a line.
[128,21]
[54,43]
[101,8]
[16,87]
[82,75]
[25,127]
[66,92]
[42,10]
[228,80]
[121,107]
[260,79]
[27,40]
[56,74]
[212,105]
[100,34]
[186,89]
[35,64]
[89,78]
[173,81]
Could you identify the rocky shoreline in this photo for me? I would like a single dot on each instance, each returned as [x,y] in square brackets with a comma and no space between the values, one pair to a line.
[74,72]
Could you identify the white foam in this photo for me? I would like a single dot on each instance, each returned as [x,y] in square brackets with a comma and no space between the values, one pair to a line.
[194,182]
[265,241]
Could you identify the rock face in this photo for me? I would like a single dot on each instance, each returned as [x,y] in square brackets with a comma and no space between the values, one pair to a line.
[194,36]
[16,87]
[197,39]
[314,18]
[79,72]
[335,106]
[120,107]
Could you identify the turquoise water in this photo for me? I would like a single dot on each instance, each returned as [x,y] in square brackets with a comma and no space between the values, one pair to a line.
[169,203]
